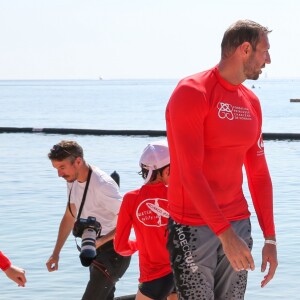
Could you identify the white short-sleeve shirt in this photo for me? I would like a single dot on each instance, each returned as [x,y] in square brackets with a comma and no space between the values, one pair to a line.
[103,199]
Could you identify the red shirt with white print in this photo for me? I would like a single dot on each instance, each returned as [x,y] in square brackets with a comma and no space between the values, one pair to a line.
[213,130]
[146,211]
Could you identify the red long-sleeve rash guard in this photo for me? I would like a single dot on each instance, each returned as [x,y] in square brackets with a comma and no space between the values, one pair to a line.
[146,211]
[213,129]
[4,262]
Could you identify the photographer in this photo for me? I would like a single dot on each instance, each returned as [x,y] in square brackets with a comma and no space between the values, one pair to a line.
[101,198]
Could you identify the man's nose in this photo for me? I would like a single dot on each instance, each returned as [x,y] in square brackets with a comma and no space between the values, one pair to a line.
[268,58]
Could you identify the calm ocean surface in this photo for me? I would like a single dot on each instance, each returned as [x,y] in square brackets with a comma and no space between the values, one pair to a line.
[33,198]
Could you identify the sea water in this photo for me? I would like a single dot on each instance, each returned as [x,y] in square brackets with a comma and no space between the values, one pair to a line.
[33,198]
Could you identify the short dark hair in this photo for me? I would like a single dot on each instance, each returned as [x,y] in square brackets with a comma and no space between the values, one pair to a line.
[240,32]
[144,172]
[65,149]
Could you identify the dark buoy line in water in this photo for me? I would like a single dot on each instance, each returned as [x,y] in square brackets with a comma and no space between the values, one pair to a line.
[151,133]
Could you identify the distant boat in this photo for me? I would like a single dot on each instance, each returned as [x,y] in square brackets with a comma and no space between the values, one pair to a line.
[100,78]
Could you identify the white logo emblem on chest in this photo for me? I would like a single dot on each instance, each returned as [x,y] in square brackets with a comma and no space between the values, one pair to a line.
[233,112]
[225,111]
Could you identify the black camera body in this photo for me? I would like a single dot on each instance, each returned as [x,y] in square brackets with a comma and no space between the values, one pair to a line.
[81,224]
[88,230]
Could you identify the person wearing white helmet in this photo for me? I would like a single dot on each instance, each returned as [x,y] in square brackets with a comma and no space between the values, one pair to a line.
[146,210]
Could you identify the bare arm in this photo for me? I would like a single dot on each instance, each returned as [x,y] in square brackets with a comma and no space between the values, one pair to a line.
[236,250]
[106,238]
[16,274]
[65,228]
[269,257]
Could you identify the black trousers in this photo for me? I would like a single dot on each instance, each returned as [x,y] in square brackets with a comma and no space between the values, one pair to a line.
[106,269]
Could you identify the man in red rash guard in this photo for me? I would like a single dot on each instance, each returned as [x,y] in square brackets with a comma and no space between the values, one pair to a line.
[145,210]
[214,129]
[12,272]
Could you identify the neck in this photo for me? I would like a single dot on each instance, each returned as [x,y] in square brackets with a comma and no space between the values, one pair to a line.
[230,73]
[83,173]
[158,180]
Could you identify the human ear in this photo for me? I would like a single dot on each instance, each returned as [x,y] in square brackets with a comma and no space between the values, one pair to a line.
[167,171]
[246,47]
[78,161]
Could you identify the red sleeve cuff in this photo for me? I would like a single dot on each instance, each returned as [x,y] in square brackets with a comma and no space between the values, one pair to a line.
[4,262]
[222,229]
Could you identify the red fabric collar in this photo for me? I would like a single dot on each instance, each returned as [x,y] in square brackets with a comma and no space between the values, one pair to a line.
[224,83]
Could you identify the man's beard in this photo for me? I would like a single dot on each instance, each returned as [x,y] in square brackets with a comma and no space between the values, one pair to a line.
[250,70]
[68,179]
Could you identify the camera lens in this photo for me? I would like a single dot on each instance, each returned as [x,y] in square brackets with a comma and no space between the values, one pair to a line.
[88,246]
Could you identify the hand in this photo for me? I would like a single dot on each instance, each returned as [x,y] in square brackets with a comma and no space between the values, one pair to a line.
[52,263]
[237,251]
[17,275]
[269,255]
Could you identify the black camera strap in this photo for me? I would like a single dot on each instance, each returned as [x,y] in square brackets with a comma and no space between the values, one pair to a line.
[83,196]
[82,201]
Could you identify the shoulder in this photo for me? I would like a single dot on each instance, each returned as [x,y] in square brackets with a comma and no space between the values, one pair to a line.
[103,181]
[102,177]
[251,97]
[194,88]
[249,93]
[130,200]
[131,194]
[199,81]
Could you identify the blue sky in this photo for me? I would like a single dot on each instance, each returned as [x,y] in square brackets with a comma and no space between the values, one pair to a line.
[120,39]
